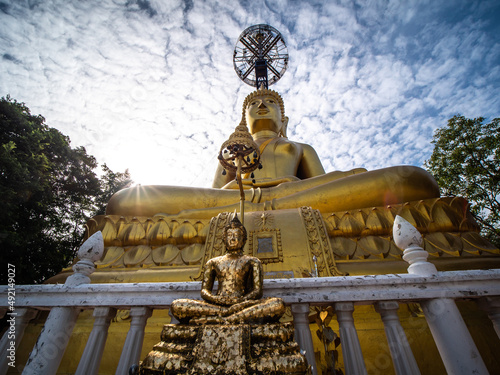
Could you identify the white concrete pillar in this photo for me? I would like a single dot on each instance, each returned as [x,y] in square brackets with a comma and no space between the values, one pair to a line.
[51,344]
[402,356]
[131,351]
[354,363]
[17,322]
[491,305]
[92,355]
[300,312]
[453,340]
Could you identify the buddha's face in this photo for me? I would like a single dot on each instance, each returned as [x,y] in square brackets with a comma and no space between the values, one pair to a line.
[263,113]
[234,239]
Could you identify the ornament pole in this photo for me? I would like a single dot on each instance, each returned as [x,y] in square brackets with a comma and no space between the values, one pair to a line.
[242,193]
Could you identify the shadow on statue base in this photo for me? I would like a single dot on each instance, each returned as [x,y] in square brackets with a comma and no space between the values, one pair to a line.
[226,350]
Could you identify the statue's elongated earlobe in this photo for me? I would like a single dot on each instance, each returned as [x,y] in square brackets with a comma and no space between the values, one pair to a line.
[284,126]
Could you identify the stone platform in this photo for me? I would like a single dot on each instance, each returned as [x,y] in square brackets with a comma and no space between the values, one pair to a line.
[226,350]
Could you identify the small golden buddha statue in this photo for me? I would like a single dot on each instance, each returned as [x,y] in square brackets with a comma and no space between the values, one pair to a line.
[239,294]
[291,176]
[232,331]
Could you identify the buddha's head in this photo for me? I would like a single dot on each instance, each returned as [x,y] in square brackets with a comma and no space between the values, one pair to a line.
[235,235]
[264,109]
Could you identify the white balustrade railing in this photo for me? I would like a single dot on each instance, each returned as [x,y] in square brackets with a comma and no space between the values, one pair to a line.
[435,291]
[384,291]
[361,290]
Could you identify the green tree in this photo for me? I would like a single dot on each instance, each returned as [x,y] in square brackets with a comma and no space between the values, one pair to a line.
[49,190]
[466,162]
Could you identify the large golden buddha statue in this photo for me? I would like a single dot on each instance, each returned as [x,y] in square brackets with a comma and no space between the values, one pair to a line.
[301,222]
[291,176]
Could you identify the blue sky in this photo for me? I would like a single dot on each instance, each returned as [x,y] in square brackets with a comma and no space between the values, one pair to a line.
[150,85]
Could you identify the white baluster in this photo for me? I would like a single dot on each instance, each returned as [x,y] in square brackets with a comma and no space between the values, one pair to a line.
[351,349]
[49,349]
[300,312]
[17,320]
[492,307]
[92,355]
[453,340]
[53,340]
[402,356]
[131,351]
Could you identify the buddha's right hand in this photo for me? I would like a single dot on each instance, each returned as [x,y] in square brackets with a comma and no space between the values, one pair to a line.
[247,184]
[260,183]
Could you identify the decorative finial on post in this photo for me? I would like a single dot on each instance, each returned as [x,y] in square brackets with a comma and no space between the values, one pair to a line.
[408,238]
[90,252]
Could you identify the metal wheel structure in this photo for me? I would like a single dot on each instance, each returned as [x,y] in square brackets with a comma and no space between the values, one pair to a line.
[260,56]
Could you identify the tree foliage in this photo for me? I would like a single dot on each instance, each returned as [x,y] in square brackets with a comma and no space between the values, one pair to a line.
[466,162]
[49,190]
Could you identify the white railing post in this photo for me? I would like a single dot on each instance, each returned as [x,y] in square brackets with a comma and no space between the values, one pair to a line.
[351,349]
[300,312]
[92,355]
[453,340]
[53,340]
[402,356]
[491,305]
[18,320]
[131,351]
[49,349]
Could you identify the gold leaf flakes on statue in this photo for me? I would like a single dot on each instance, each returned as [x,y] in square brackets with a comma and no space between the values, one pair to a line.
[229,325]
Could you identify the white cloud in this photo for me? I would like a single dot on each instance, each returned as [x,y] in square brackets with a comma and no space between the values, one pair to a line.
[150,86]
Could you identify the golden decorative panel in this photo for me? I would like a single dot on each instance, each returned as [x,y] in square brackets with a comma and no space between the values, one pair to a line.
[318,243]
[266,245]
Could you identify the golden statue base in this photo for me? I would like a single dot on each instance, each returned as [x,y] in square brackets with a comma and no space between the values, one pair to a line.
[236,349]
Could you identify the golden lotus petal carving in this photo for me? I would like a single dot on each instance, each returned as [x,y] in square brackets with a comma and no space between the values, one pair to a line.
[165,255]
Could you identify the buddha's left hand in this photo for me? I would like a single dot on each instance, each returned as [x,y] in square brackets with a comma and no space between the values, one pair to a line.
[239,306]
